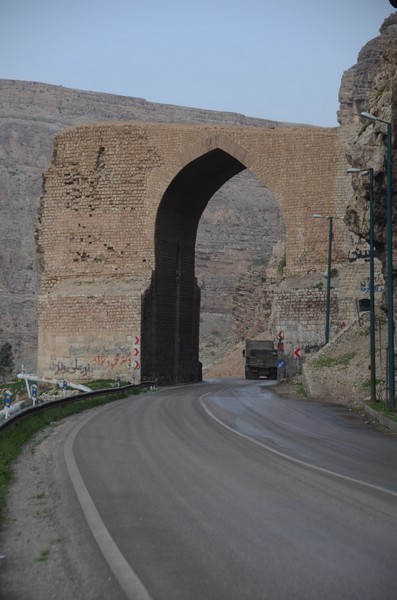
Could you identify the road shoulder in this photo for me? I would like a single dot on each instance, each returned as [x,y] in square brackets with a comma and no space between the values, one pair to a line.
[45,538]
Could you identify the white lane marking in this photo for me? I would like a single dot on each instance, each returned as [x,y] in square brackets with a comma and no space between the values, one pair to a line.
[291,458]
[127,578]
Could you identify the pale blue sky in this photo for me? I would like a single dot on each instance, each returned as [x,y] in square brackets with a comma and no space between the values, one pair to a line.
[279,59]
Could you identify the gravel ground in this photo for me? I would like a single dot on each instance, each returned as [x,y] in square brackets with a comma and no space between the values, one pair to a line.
[50,554]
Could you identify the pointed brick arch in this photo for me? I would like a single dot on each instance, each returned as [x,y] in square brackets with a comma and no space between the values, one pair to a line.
[170,328]
[215,141]
[120,210]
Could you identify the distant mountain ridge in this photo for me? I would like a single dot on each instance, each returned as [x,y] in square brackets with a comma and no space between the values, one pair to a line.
[60,104]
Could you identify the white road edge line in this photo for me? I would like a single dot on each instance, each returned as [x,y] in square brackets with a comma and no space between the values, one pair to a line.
[127,578]
[291,458]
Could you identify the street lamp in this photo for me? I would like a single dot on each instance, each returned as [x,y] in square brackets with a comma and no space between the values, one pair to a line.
[389,238]
[370,173]
[328,304]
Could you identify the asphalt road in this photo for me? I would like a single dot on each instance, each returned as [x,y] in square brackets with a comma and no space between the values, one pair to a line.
[223,491]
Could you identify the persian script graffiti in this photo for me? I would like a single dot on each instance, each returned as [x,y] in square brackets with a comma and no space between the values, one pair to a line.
[117,360]
[98,363]
[365,285]
[358,254]
[62,368]
[359,251]
[311,348]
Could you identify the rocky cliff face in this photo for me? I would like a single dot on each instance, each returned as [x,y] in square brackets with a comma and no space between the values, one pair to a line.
[371,86]
[240,225]
[367,81]
[253,296]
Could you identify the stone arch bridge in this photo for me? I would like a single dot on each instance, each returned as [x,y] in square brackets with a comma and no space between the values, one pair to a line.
[117,229]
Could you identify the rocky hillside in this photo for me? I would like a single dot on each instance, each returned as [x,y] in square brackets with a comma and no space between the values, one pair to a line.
[240,225]
[371,86]
[253,296]
[365,83]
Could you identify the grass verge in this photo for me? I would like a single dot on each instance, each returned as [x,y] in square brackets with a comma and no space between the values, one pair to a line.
[14,438]
[334,361]
[380,407]
[300,390]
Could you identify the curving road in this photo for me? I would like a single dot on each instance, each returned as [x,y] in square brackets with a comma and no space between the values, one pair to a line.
[224,491]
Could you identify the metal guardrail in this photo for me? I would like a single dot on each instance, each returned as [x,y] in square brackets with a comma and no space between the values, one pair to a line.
[31,410]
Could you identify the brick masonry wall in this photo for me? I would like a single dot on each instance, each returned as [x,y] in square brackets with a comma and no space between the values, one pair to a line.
[300,313]
[97,222]
[97,344]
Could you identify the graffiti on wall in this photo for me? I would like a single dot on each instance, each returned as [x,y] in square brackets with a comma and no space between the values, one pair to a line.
[118,361]
[119,358]
[359,250]
[378,285]
[358,254]
[312,348]
[74,367]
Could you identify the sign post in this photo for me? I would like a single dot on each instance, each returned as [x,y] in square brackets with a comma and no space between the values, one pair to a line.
[136,360]
[7,401]
[298,356]
[34,393]
[280,343]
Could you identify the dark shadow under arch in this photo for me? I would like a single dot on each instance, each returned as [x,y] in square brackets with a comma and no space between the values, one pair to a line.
[171,305]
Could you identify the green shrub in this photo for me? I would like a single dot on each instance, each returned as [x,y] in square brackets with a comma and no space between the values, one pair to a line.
[281,266]
[364,127]
[6,360]
[380,90]
[334,361]
[44,555]
[260,262]
[367,383]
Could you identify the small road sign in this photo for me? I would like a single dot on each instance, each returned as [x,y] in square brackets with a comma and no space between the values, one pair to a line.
[33,391]
[281,364]
[7,398]
[297,353]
